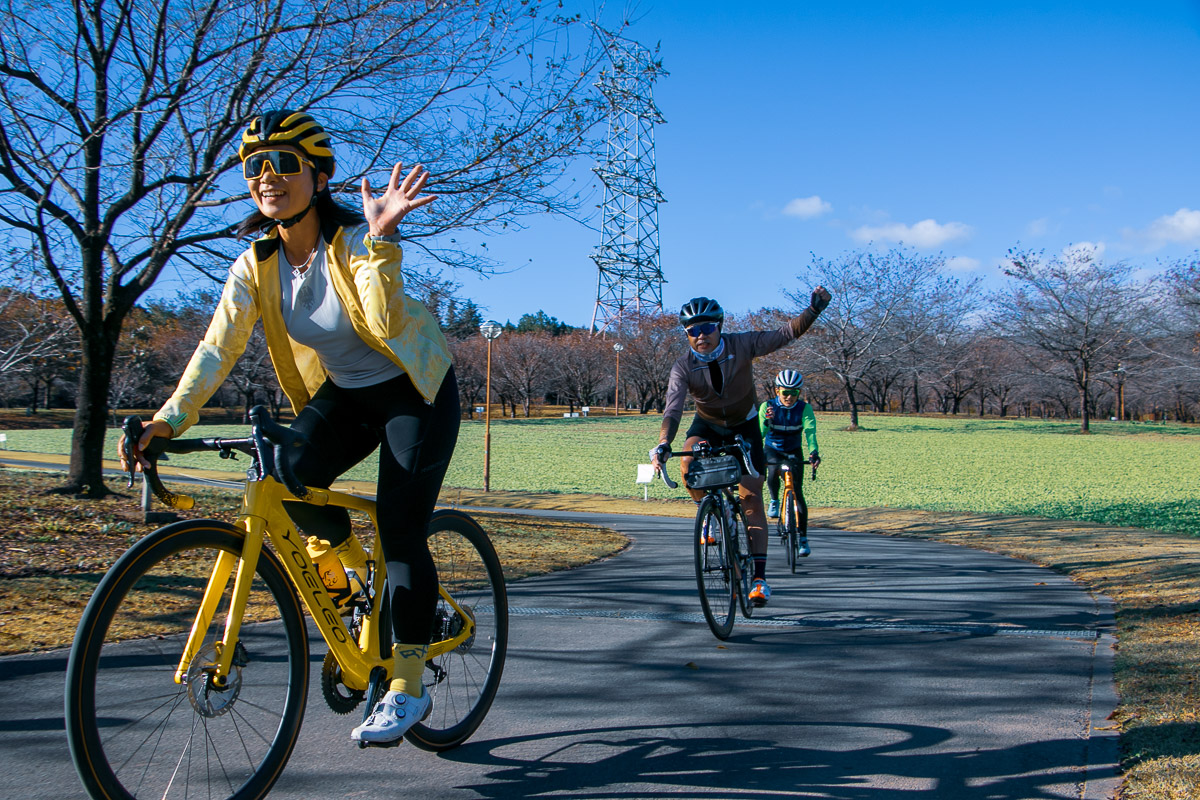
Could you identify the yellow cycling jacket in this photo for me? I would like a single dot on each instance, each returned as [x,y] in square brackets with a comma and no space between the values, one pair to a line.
[367,278]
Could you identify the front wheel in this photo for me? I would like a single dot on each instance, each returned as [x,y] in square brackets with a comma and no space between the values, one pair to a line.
[714,568]
[788,520]
[135,732]
[463,681]
[740,536]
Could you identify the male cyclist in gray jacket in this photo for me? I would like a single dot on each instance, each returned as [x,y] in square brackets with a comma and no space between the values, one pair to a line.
[717,373]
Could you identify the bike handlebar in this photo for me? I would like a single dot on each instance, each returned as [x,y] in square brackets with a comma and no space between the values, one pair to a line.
[703,449]
[267,447]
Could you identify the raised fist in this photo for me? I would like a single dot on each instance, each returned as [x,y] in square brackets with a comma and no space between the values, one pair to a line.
[820,299]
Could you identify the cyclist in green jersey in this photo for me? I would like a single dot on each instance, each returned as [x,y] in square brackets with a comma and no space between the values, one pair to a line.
[786,421]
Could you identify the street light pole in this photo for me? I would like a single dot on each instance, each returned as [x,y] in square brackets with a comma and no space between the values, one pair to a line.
[617,348]
[490,330]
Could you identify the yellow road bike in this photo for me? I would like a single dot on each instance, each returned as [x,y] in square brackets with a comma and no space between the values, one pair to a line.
[188,676]
[788,526]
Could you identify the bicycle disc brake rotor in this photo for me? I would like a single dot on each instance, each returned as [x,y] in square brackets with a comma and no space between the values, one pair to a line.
[207,699]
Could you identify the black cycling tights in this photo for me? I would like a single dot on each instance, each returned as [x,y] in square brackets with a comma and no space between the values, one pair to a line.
[343,427]
[773,474]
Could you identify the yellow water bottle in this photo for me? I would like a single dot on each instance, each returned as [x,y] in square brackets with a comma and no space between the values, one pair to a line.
[330,568]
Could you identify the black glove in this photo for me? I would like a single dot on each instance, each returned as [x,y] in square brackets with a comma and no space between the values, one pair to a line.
[820,299]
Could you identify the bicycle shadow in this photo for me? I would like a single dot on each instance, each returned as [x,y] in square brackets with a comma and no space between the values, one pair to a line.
[675,761]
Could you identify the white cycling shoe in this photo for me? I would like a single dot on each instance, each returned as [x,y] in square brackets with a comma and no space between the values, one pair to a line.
[802,548]
[392,717]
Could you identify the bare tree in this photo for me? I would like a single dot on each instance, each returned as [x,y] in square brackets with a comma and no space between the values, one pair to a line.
[652,343]
[582,366]
[1074,315]
[119,120]
[33,331]
[470,368]
[521,367]
[871,292]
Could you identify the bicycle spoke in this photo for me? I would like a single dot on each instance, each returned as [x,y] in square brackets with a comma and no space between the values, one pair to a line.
[194,740]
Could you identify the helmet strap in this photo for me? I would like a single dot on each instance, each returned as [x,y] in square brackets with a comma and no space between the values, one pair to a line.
[290,221]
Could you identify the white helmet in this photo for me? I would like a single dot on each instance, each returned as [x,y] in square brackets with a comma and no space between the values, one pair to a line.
[789,379]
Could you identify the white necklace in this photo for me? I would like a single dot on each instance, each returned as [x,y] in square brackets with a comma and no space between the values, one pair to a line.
[303,268]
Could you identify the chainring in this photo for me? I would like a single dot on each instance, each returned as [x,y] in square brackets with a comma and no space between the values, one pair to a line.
[341,699]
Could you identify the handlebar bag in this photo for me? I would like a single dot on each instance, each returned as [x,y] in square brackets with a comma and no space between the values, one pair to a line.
[714,472]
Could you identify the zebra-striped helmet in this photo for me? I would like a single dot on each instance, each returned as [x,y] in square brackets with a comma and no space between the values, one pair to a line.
[789,379]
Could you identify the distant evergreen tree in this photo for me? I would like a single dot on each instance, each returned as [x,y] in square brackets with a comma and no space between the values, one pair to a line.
[461,322]
[541,321]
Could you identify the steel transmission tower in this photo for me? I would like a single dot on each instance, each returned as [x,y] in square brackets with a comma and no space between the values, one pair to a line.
[628,258]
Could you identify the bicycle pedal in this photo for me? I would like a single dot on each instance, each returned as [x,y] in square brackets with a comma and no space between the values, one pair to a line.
[395,743]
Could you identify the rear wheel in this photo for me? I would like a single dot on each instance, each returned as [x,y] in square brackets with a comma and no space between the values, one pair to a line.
[714,573]
[463,681]
[134,731]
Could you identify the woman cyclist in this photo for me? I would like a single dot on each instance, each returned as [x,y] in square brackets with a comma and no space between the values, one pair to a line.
[363,364]
[785,421]
[717,372]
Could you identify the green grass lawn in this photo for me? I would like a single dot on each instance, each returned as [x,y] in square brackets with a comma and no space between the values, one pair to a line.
[1142,475]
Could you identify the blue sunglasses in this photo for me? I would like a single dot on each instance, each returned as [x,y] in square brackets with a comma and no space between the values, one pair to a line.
[701,329]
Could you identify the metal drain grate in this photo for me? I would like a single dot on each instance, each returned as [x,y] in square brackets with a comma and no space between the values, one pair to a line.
[969,628]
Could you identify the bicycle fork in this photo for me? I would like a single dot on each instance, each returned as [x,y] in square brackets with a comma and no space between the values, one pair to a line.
[217,581]
[728,510]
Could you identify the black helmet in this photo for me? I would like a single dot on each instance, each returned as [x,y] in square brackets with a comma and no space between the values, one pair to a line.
[297,128]
[701,309]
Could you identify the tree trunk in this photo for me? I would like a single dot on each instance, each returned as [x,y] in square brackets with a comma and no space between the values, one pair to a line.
[86,475]
[916,396]
[853,406]
[1083,404]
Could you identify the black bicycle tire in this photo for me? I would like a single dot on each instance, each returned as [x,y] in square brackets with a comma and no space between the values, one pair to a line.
[793,534]
[424,735]
[785,517]
[83,734]
[740,535]
[719,615]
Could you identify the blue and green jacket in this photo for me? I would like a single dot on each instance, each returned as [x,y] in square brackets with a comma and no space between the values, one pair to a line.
[788,427]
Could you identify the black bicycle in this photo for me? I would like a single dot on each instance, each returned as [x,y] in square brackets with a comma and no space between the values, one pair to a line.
[724,566]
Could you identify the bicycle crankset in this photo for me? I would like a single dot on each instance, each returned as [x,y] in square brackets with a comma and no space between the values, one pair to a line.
[340,698]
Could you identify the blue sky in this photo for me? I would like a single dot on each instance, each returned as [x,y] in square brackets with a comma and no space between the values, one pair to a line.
[962,128]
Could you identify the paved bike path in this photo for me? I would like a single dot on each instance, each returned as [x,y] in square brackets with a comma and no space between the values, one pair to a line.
[889,668]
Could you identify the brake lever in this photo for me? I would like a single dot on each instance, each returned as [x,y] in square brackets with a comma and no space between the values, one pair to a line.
[132,428]
[133,433]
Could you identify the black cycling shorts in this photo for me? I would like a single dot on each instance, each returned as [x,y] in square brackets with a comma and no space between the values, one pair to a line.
[776,456]
[718,435]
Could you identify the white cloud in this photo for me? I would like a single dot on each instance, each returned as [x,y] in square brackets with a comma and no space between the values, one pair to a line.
[1182,227]
[927,233]
[1038,227]
[962,263]
[807,207]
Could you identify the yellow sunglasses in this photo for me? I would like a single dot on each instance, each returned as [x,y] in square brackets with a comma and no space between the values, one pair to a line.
[283,162]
